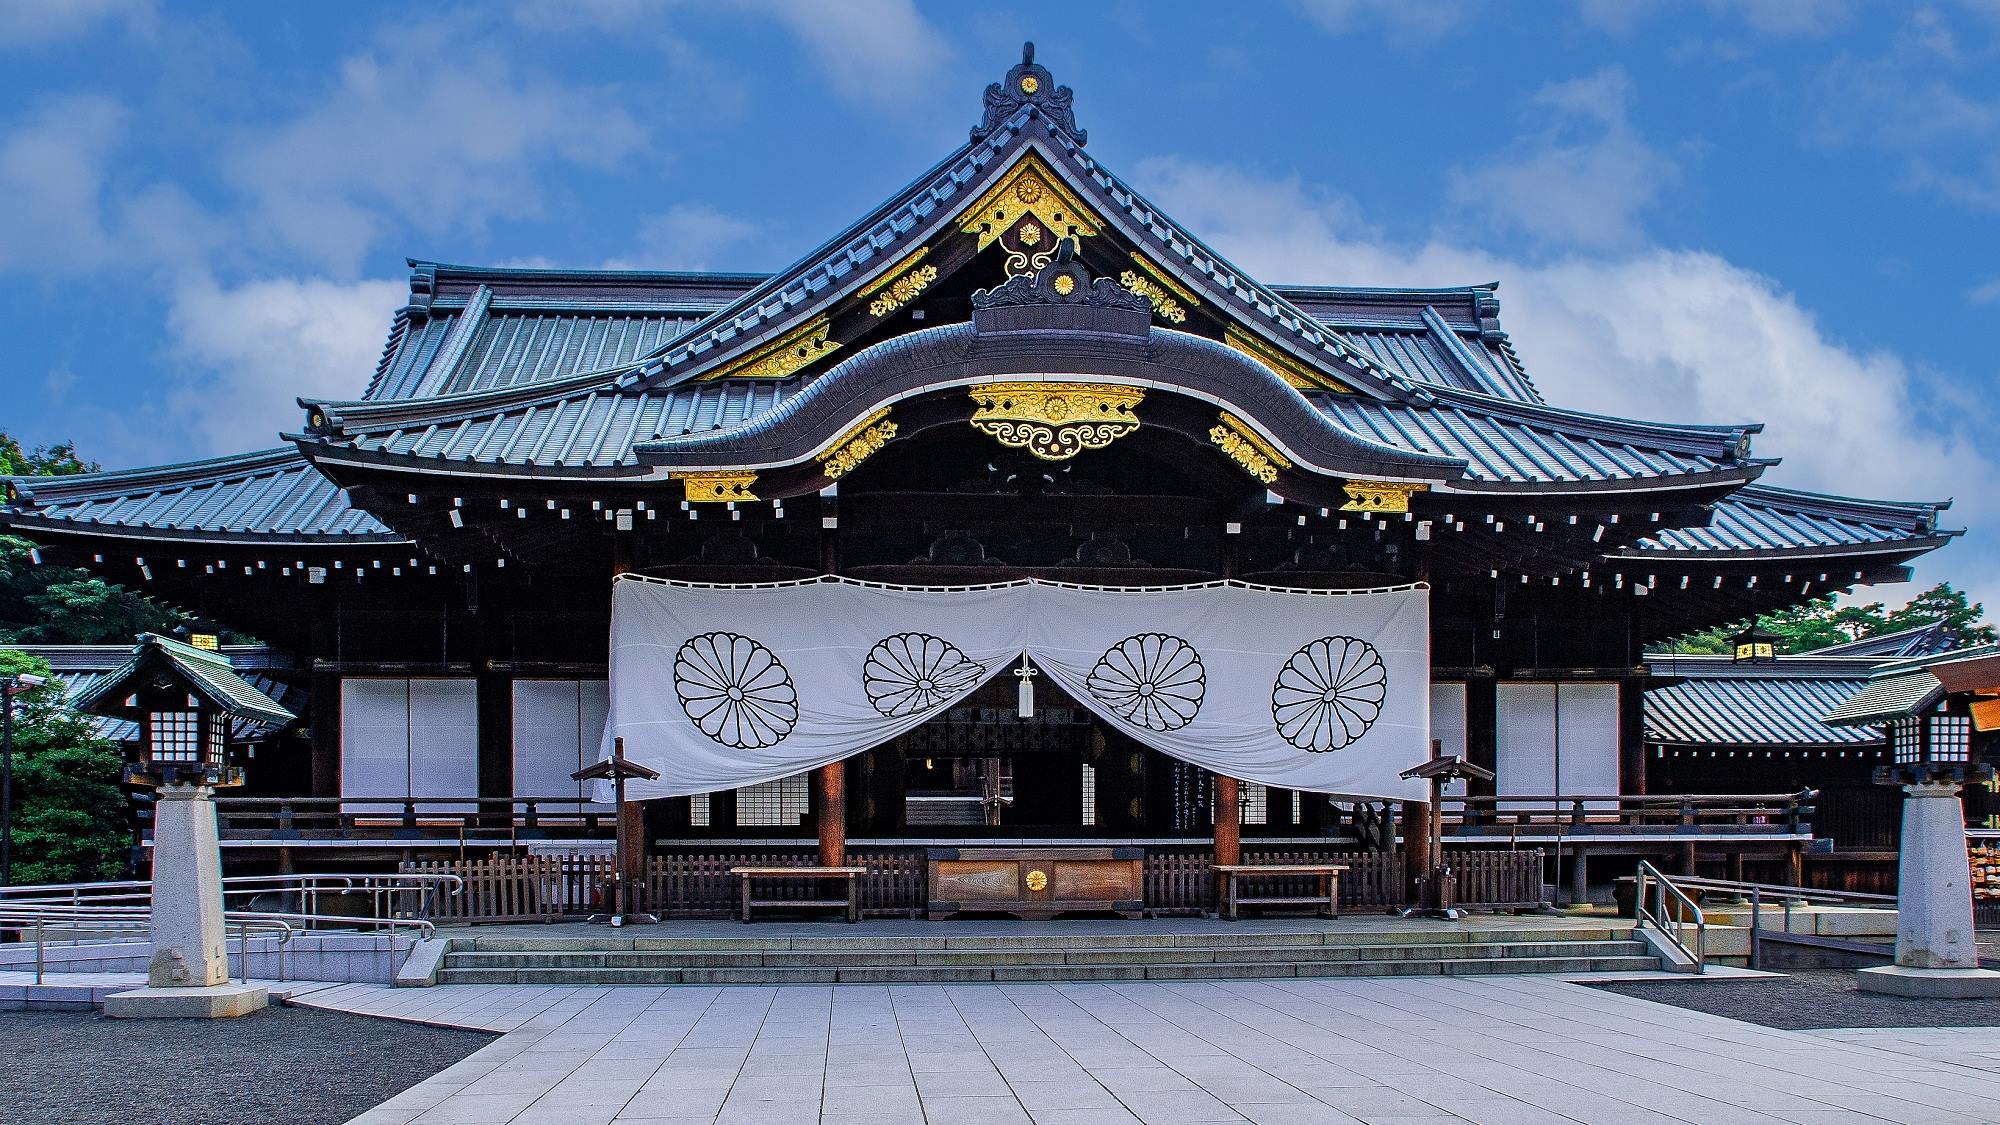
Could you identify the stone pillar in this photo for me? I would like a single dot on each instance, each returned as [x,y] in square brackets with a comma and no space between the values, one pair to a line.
[190,949]
[1228,822]
[1935,954]
[189,972]
[832,814]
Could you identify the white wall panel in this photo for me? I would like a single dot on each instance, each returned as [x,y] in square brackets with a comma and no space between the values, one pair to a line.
[1448,725]
[408,737]
[557,727]
[1587,738]
[444,740]
[374,741]
[1525,750]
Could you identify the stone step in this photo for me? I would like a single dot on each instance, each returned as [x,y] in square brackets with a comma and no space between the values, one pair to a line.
[864,958]
[934,974]
[914,940]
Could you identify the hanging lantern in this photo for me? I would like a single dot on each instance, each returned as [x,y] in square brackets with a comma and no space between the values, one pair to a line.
[1754,646]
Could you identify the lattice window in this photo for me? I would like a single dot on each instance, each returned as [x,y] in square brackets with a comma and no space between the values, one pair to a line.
[1908,736]
[1298,809]
[1951,738]
[1089,796]
[218,739]
[176,736]
[1256,802]
[773,804]
[698,811]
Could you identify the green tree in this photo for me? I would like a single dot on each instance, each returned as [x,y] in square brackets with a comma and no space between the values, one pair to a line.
[1819,623]
[72,822]
[41,604]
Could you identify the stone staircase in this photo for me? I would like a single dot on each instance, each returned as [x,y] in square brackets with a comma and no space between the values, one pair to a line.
[1047,955]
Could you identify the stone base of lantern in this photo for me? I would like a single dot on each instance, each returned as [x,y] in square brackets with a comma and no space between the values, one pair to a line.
[1931,984]
[214,1002]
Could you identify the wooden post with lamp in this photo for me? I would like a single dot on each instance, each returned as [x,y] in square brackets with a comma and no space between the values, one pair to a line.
[630,850]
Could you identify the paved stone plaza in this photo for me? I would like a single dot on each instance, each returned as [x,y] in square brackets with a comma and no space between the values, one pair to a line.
[1297,1052]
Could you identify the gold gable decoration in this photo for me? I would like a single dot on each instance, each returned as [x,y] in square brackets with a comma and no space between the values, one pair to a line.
[1257,456]
[718,486]
[1284,366]
[1055,421]
[857,445]
[1162,292]
[1028,212]
[787,355]
[904,283]
[1380,495]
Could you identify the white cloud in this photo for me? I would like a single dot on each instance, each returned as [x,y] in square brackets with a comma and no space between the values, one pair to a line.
[54,170]
[686,236]
[424,130]
[1985,293]
[1403,22]
[246,353]
[874,51]
[1582,178]
[37,22]
[1643,333]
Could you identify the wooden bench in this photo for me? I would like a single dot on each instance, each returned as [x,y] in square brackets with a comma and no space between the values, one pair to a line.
[848,904]
[1326,902]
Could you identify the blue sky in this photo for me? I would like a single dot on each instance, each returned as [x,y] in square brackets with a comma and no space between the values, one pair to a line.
[1775,210]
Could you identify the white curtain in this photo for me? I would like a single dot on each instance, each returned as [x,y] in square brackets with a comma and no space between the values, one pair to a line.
[408,738]
[718,687]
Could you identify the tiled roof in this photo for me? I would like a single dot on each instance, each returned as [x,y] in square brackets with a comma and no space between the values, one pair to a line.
[933,200]
[79,668]
[1901,688]
[1718,703]
[272,494]
[1923,640]
[1509,441]
[209,673]
[493,343]
[1763,518]
[589,426]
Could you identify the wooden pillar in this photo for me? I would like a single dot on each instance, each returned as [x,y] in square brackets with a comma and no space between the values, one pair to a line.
[1579,877]
[631,852]
[1687,859]
[832,814]
[1795,864]
[1228,821]
[1632,737]
[1417,860]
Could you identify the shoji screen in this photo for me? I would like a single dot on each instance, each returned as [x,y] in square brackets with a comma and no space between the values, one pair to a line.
[374,741]
[1448,724]
[444,741]
[1587,736]
[402,738]
[1525,749]
[1558,738]
[557,727]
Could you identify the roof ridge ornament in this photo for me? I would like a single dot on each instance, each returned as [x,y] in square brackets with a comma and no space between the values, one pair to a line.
[1029,83]
[1064,281]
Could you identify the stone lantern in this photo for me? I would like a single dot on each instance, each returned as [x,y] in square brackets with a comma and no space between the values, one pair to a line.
[1927,707]
[187,702]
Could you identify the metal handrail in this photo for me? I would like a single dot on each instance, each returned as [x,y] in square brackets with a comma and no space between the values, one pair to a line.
[114,920]
[1787,897]
[383,889]
[1655,892]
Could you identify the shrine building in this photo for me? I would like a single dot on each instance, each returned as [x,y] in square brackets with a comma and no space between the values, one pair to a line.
[1026,421]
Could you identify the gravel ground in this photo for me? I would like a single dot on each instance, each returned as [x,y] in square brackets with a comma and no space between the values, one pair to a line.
[1812,998]
[281,1065]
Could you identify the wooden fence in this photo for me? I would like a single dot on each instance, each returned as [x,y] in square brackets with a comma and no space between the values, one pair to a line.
[691,882]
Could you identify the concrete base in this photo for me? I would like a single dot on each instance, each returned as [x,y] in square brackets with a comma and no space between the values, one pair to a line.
[216,1001]
[1938,984]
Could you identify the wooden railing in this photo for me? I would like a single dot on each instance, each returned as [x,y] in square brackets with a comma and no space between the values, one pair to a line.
[1529,818]
[1567,815]
[440,819]
[695,882]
